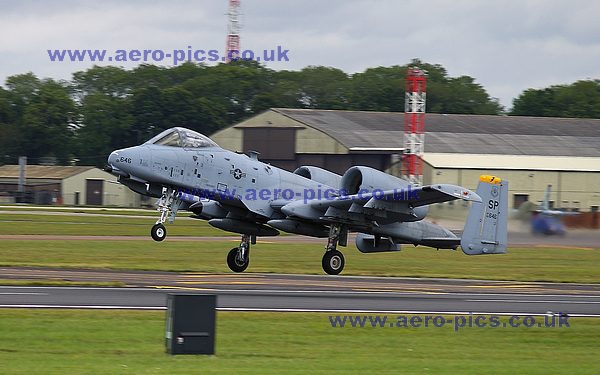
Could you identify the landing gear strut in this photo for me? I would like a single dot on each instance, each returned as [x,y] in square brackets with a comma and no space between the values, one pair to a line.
[333,260]
[168,204]
[239,257]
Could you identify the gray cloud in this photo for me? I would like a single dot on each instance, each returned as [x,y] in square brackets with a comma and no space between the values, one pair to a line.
[508,46]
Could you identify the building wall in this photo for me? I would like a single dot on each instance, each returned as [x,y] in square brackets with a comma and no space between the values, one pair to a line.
[569,189]
[113,194]
[312,147]
[308,140]
[229,138]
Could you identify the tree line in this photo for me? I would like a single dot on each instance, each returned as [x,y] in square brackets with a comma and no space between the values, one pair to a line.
[103,108]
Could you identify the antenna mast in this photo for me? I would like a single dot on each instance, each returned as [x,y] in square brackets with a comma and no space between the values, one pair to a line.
[233,30]
[414,125]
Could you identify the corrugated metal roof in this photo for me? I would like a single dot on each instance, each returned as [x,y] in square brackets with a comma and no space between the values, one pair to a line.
[469,134]
[514,162]
[42,171]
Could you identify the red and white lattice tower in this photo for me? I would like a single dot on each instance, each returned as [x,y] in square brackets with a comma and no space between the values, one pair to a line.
[414,125]
[233,30]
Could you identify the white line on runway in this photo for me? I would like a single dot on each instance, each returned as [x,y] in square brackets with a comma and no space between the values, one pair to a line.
[251,309]
[23,294]
[285,291]
[530,301]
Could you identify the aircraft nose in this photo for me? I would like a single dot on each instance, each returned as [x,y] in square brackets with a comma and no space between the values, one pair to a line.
[112,158]
[122,160]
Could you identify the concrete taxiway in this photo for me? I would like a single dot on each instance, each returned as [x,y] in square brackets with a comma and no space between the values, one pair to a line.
[279,292]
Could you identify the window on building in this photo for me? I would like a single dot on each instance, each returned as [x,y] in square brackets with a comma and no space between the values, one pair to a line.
[519,199]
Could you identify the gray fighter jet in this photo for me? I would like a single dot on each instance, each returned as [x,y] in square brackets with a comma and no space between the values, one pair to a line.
[238,193]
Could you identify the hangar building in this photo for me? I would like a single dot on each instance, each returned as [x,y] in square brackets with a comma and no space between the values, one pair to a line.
[530,152]
[70,185]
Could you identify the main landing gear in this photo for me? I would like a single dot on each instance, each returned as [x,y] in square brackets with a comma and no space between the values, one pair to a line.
[168,204]
[239,257]
[333,260]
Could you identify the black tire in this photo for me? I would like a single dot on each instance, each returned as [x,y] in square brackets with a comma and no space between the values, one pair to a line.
[333,262]
[234,263]
[158,232]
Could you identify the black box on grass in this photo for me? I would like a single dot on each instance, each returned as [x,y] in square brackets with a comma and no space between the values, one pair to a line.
[190,326]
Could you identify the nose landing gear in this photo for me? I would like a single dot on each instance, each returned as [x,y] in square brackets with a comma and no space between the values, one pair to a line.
[168,205]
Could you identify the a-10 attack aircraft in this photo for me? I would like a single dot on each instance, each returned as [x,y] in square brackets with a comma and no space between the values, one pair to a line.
[238,193]
[547,221]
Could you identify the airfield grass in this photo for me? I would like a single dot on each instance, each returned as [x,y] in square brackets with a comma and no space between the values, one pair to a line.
[83,225]
[60,282]
[533,264]
[80,209]
[132,342]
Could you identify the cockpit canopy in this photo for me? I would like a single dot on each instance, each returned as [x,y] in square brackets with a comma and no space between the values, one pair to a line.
[182,137]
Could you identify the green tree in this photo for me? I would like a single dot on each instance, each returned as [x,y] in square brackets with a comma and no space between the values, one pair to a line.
[46,129]
[324,88]
[8,123]
[378,89]
[106,126]
[383,88]
[232,86]
[106,80]
[579,99]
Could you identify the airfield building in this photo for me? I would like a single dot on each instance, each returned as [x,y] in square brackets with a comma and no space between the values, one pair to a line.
[70,185]
[530,152]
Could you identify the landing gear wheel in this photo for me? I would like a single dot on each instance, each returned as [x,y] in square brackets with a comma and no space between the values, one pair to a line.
[158,232]
[333,262]
[236,262]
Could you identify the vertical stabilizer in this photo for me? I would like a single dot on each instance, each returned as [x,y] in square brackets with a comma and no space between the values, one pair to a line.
[486,230]
[546,202]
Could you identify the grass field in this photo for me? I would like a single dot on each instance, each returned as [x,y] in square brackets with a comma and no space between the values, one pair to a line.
[47,341]
[129,342]
[558,265]
[84,225]
[80,209]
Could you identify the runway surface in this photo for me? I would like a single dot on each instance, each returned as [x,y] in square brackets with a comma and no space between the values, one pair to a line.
[574,239]
[277,292]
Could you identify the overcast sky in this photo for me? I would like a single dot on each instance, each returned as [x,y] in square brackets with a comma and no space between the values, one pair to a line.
[507,46]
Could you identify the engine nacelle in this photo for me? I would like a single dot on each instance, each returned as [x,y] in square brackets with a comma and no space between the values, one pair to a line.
[320,175]
[368,179]
[363,180]
[367,243]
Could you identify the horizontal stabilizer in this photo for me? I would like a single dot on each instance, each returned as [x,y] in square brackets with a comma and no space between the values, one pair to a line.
[441,242]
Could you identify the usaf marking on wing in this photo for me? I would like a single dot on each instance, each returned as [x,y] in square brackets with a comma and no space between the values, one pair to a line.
[365,200]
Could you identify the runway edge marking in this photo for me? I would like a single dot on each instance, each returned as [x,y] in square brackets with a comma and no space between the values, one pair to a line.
[250,309]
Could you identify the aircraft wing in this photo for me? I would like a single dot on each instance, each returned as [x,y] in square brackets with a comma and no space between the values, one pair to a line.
[379,202]
[557,213]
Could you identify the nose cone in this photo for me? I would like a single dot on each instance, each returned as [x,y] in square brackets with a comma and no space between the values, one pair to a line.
[121,161]
[113,157]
